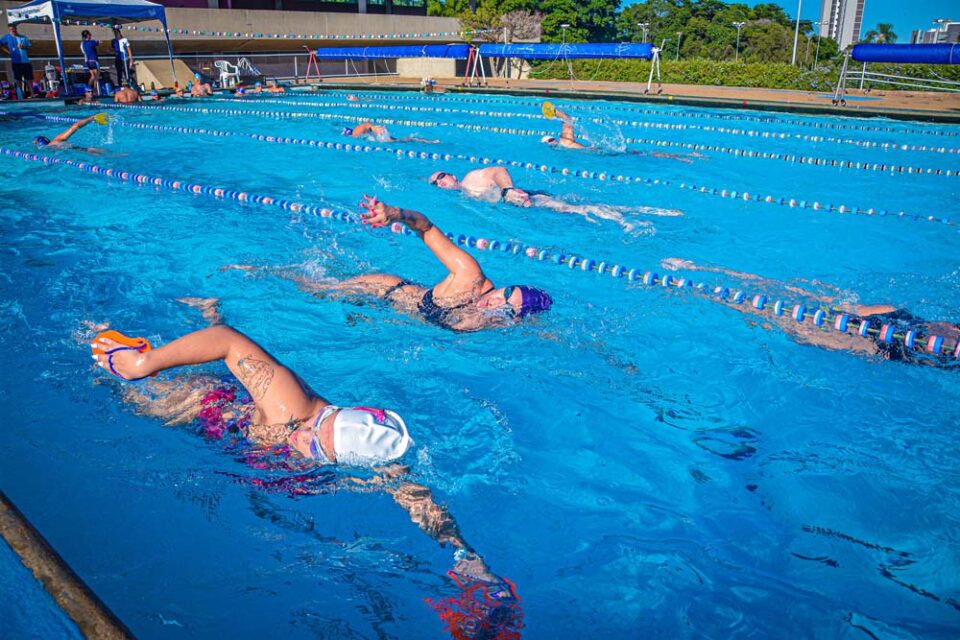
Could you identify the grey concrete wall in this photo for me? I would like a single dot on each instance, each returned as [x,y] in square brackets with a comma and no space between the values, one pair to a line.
[244,21]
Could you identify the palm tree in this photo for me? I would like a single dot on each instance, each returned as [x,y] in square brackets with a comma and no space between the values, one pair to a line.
[883,34]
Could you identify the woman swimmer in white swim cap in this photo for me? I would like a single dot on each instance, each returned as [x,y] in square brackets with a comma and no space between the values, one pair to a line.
[283,414]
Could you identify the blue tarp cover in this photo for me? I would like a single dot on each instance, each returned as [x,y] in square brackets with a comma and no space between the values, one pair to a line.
[908,53]
[460,51]
[588,51]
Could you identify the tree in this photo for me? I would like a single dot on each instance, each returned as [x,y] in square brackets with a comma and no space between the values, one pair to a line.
[883,34]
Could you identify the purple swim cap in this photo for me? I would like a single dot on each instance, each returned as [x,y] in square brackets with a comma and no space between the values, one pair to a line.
[533,300]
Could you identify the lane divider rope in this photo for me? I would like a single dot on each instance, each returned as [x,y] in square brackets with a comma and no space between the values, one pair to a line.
[823,318]
[641,124]
[892,169]
[600,176]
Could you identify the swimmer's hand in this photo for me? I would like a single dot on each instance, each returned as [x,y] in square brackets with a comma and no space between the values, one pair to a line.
[379,214]
[129,364]
[675,264]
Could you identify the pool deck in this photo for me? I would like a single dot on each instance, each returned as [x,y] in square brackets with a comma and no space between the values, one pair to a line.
[904,105]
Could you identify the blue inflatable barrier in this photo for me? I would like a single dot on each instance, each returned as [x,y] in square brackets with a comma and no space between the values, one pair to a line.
[589,51]
[459,51]
[908,53]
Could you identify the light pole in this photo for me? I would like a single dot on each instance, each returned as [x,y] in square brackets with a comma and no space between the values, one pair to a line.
[738,25]
[679,36]
[643,25]
[816,56]
[796,33]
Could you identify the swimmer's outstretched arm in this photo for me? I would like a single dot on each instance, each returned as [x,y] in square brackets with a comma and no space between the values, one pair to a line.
[461,264]
[63,137]
[277,391]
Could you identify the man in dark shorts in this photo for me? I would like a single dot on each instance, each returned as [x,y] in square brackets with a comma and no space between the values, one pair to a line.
[17,45]
[122,58]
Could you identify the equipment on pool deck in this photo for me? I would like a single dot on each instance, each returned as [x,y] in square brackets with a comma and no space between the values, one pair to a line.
[229,74]
[897,53]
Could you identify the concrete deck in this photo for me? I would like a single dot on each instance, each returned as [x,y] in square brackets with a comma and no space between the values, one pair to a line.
[903,105]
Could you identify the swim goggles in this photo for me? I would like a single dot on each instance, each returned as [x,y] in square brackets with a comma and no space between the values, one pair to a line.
[440,176]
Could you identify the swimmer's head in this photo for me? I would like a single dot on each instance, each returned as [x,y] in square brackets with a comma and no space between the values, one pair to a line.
[363,436]
[444,180]
[521,300]
[41,141]
[241,91]
[85,34]
[196,75]
[257,85]
[346,131]
[549,140]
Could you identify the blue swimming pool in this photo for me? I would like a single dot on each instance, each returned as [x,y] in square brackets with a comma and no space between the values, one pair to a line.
[641,461]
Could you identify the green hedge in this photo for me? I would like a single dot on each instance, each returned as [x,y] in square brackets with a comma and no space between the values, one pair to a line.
[770,75]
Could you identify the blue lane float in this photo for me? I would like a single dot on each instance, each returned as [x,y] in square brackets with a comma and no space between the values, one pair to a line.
[839,321]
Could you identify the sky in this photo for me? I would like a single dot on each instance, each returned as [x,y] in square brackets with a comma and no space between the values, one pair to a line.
[905,15]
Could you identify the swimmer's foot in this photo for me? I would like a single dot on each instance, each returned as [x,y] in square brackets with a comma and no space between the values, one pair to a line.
[208,307]
[238,267]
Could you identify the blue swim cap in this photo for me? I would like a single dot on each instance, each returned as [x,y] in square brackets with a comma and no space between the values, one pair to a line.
[533,300]
[346,131]
[257,84]
[241,90]
[41,141]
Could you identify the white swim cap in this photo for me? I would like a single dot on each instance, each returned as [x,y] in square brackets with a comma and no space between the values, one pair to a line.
[548,139]
[367,436]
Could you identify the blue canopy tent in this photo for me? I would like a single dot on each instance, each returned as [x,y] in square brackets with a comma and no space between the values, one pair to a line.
[899,54]
[95,11]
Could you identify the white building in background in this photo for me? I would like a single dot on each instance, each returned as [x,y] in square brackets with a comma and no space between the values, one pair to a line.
[841,20]
[947,32]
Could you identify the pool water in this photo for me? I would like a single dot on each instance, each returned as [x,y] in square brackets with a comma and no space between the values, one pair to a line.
[640,462]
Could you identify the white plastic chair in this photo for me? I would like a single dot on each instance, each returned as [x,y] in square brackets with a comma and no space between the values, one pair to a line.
[229,73]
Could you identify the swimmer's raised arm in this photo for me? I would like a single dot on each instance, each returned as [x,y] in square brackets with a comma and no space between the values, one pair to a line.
[460,263]
[63,137]
[277,391]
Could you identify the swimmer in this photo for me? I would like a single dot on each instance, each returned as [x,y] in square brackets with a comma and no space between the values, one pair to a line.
[60,141]
[465,300]
[879,315]
[280,416]
[200,89]
[126,95]
[567,140]
[87,98]
[378,133]
[495,184]
[353,98]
